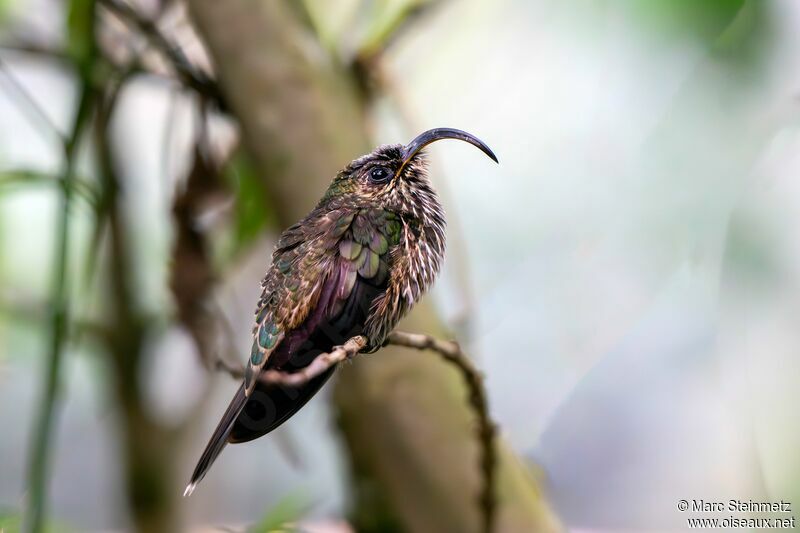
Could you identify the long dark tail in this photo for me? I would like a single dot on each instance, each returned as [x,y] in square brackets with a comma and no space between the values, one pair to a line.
[218,439]
[246,419]
[269,406]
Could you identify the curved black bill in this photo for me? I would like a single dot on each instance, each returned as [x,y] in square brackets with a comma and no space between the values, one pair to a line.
[424,139]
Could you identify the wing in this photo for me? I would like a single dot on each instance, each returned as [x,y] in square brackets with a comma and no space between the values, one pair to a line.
[305,285]
[316,267]
[364,264]
[289,291]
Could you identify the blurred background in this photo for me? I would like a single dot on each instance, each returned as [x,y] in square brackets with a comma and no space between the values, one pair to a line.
[628,277]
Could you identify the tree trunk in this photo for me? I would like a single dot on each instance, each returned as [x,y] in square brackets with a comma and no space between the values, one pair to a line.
[404,415]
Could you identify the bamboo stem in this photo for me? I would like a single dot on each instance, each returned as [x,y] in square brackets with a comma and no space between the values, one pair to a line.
[43,438]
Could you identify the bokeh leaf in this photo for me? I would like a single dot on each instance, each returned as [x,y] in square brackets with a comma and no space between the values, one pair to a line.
[283,516]
[252,214]
[80,31]
[11,522]
[16,179]
[388,17]
[5,6]
[722,25]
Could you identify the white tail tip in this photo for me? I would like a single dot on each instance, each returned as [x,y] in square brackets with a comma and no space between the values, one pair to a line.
[189,489]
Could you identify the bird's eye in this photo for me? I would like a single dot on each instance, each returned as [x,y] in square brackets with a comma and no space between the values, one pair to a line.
[379,175]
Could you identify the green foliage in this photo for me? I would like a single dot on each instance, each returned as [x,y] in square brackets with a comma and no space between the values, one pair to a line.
[15,179]
[705,20]
[252,214]
[367,26]
[80,32]
[11,522]
[746,35]
[733,27]
[5,8]
[387,17]
[329,20]
[281,518]
[59,324]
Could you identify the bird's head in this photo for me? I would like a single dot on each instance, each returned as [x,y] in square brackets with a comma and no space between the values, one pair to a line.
[394,176]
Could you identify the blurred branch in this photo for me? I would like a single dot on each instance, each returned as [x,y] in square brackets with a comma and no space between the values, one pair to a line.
[451,352]
[149,447]
[22,46]
[183,68]
[30,311]
[28,104]
[11,178]
[396,20]
[318,366]
[40,51]
[106,194]
[192,274]
[43,437]
[229,347]
[391,24]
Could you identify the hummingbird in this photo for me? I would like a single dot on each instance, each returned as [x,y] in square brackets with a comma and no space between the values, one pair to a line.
[355,265]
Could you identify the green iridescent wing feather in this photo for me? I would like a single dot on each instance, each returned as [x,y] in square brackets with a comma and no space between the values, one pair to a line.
[337,247]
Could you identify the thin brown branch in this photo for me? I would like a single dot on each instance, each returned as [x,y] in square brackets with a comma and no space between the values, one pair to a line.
[379,41]
[223,363]
[192,275]
[183,68]
[19,45]
[318,366]
[234,370]
[136,65]
[451,352]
